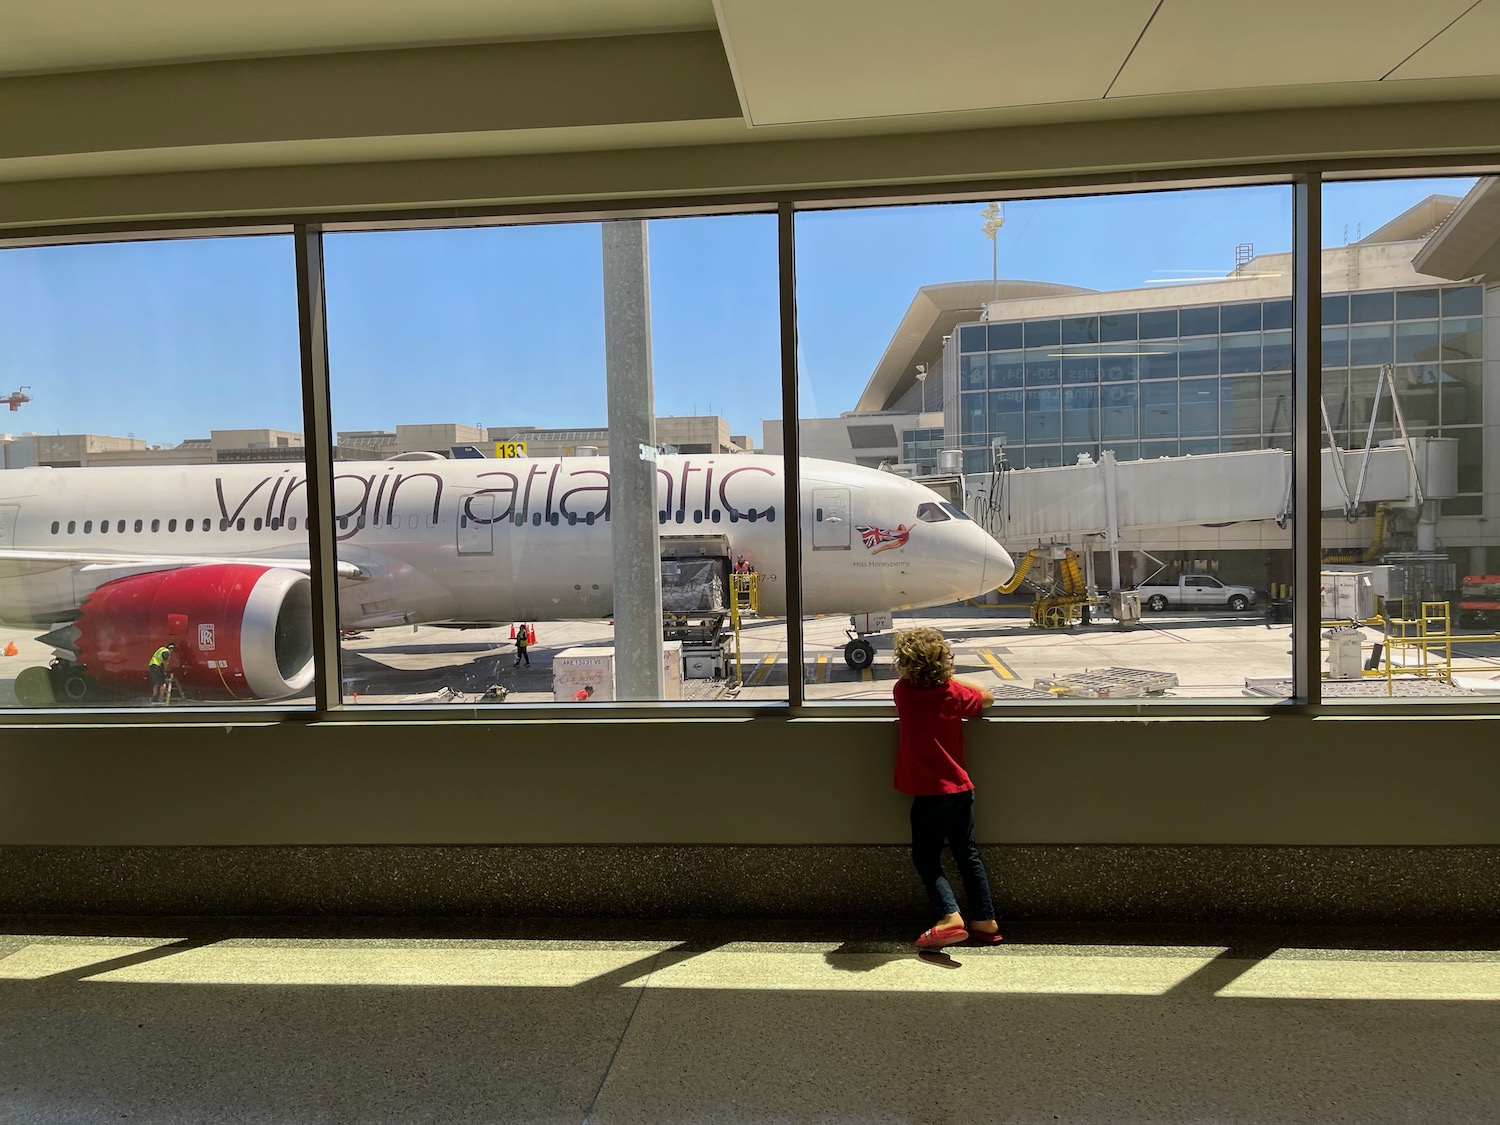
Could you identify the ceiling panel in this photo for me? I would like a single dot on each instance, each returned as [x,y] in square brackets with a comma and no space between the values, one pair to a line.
[829,60]
[1218,44]
[1470,47]
[47,35]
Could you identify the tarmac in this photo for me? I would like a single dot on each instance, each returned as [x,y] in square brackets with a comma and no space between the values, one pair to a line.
[1211,654]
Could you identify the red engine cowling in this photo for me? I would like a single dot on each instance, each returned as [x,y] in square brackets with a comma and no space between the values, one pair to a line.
[241,631]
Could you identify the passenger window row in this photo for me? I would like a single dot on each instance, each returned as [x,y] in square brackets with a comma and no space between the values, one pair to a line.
[120,526]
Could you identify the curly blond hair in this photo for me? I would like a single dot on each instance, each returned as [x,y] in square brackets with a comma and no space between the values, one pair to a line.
[923,657]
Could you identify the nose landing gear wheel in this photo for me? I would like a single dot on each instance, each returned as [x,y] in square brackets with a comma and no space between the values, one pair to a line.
[859,654]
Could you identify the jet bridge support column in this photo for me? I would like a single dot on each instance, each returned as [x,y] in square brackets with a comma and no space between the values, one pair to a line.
[632,463]
[1111,517]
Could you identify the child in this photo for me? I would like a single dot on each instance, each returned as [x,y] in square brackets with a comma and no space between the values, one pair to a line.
[930,768]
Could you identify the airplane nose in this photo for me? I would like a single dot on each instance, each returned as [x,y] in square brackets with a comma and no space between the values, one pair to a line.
[998,565]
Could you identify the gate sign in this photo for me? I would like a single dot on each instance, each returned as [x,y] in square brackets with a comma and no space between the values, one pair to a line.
[510,449]
[206,638]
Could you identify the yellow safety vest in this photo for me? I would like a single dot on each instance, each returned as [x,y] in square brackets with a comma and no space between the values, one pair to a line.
[159,657]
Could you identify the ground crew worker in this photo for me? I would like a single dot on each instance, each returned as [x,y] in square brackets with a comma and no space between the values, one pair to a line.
[159,671]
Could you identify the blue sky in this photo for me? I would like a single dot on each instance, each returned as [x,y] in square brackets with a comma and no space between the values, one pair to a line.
[504,326]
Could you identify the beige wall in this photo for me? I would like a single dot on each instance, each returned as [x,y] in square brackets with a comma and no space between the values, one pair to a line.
[1285,779]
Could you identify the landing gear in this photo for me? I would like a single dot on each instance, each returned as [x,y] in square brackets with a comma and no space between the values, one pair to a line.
[859,654]
[69,684]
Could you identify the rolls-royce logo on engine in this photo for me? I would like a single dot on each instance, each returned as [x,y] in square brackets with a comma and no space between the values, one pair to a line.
[206,638]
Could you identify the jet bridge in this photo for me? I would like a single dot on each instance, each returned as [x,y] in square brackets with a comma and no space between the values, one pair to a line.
[1115,500]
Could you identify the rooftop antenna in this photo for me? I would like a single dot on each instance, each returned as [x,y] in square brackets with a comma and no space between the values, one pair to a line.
[994,218]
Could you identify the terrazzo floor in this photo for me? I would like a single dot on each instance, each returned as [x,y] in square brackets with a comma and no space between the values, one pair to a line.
[609,1022]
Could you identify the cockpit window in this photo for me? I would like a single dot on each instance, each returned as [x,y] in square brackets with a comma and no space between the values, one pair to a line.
[932,513]
[955,511]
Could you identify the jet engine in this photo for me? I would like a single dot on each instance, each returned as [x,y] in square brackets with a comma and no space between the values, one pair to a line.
[241,631]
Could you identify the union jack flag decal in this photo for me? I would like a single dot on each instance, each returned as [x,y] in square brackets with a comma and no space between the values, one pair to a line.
[879,539]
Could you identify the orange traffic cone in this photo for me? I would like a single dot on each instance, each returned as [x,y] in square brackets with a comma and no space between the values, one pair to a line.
[10,648]
[512,631]
[531,636]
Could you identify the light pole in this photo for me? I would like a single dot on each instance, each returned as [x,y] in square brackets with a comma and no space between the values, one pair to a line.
[922,379]
[994,218]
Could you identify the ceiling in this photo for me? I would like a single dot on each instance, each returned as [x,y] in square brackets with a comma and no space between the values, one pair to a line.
[94,88]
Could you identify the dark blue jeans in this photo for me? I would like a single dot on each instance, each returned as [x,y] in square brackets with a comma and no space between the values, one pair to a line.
[948,818]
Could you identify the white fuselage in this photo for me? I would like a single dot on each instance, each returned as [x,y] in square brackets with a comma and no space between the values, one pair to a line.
[483,540]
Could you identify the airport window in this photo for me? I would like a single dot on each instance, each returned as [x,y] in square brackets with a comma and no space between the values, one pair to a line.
[1416,304]
[1199,322]
[1042,367]
[209,324]
[1080,330]
[1198,357]
[1276,351]
[1369,343]
[1276,314]
[72,525]
[1240,318]
[1417,342]
[426,300]
[1042,333]
[1007,369]
[1366,308]
[1335,347]
[1159,324]
[1465,301]
[1159,362]
[1005,337]
[1463,339]
[1192,379]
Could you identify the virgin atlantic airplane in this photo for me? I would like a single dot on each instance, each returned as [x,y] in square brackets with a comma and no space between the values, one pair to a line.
[109,563]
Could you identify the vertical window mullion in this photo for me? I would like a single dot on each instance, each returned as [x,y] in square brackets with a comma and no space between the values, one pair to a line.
[312,331]
[1307,464]
[786,261]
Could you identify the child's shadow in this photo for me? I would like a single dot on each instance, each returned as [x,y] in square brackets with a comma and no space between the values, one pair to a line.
[864,957]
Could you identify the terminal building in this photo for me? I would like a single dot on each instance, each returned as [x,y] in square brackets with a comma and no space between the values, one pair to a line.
[1046,375]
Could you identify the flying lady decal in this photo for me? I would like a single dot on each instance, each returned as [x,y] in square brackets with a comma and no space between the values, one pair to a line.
[879,539]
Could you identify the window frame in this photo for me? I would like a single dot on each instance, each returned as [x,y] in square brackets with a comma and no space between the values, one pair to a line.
[1306,181]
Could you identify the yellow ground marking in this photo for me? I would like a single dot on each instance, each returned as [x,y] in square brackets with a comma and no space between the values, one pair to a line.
[820,673]
[997,665]
[760,673]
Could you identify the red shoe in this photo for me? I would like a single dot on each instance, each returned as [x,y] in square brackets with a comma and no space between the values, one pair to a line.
[979,937]
[936,938]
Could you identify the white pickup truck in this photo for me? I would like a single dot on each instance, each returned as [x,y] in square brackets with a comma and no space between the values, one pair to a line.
[1193,590]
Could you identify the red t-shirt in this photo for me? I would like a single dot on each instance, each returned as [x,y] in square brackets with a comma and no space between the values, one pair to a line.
[930,756]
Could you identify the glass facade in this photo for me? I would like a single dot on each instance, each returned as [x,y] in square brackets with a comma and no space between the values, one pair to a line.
[919,448]
[1217,378]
